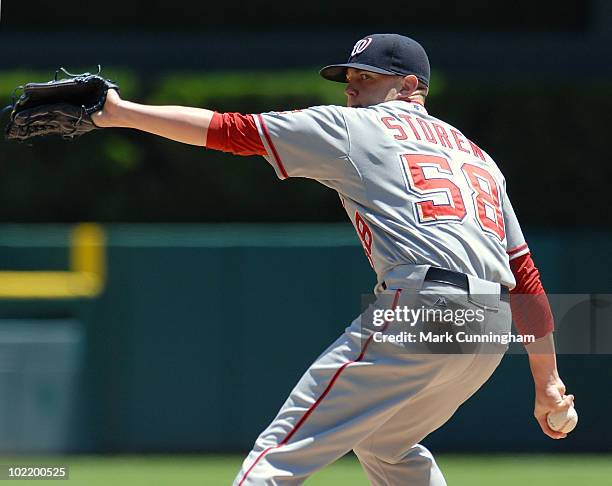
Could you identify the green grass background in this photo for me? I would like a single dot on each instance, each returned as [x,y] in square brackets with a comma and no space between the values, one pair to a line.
[460,470]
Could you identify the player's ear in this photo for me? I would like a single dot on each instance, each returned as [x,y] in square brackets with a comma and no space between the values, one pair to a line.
[409,86]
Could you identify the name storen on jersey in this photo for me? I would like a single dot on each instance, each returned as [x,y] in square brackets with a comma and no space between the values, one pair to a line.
[416,189]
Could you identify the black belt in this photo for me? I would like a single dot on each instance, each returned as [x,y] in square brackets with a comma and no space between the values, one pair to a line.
[457,279]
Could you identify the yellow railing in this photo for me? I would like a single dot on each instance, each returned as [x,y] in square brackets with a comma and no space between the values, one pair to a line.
[85,278]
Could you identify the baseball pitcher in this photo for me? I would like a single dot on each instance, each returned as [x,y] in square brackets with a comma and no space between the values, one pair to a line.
[431,210]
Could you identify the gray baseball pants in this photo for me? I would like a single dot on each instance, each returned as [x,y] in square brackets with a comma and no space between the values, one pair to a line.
[381,399]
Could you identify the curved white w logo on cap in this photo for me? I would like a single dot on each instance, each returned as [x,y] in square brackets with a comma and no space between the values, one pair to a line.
[361,46]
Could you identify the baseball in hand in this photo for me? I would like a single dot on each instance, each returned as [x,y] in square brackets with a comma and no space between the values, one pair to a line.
[564,421]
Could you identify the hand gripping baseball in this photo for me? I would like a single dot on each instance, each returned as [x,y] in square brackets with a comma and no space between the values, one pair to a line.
[551,399]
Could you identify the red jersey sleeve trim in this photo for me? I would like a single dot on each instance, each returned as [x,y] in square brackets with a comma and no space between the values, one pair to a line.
[518,251]
[530,307]
[275,156]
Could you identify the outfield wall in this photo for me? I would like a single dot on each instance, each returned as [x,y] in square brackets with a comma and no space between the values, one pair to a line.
[201,331]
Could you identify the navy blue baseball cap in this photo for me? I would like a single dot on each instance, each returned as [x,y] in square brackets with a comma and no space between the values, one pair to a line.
[384,54]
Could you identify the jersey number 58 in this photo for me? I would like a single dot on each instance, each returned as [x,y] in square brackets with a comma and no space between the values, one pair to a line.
[485,192]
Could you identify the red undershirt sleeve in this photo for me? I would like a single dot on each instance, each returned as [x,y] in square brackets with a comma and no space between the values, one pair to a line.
[234,133]
[530,308]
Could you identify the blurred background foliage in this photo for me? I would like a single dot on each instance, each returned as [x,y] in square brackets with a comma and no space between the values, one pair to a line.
[547,139]
[528,81]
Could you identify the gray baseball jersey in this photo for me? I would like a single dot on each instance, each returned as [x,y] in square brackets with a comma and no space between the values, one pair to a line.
[416,189]
[418,192]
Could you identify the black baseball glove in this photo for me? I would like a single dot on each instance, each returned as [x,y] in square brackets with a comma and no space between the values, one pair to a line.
[59,107]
